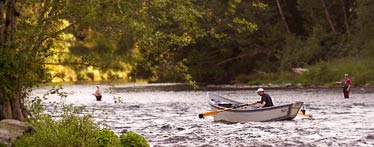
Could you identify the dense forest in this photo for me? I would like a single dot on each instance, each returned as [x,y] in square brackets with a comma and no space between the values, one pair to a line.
[194,41]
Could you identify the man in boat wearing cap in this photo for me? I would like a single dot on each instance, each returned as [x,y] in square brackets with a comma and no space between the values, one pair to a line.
[265,98]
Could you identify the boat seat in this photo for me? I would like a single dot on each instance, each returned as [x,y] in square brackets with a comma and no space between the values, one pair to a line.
[227,105]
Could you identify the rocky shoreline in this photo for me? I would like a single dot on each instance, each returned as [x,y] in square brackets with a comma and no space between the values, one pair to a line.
[11,130]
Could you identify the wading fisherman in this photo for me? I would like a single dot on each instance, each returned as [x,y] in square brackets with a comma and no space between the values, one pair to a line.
[346,85]
[265,98]
[98,93]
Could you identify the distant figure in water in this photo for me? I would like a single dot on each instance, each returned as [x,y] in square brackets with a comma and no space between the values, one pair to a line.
[98,93]
[346,85]
[265,98]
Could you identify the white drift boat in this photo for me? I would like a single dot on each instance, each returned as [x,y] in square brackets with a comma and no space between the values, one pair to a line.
[250,113]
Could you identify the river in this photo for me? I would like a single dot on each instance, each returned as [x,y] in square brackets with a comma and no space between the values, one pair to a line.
[170,117]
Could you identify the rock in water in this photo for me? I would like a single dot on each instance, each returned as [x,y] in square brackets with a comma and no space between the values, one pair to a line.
[11,129]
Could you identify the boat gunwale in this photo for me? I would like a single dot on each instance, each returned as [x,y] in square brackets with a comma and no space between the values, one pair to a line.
[243,110]
[252,110]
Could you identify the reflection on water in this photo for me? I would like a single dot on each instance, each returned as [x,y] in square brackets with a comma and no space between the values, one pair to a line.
[170,118]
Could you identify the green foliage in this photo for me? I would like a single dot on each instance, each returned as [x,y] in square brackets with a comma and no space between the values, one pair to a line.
[269,78]
[320,74]
[182,68]
[182,40]
[131,139]
[18,69]
[360,70]
[108,138]
[364,26]
[70,130]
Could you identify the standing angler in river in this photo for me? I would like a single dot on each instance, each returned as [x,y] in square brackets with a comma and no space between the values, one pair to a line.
[98,94]
[346,85]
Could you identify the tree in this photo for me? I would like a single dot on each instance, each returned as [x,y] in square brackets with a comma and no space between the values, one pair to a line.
[364,28]
[11,102]
[29,32]
[33,31]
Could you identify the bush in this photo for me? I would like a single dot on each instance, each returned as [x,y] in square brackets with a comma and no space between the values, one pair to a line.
[72,131]
[69,131]
[108,138]
[131,139]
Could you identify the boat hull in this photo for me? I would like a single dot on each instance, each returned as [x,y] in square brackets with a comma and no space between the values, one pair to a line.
[252,114]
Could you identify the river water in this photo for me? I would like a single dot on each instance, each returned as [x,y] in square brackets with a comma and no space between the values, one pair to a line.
[170,117]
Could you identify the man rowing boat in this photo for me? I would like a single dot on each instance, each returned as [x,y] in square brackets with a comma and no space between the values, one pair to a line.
[265,98]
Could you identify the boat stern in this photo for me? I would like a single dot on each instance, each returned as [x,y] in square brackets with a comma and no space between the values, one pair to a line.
[296,106]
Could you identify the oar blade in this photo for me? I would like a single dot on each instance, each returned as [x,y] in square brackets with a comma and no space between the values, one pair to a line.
[210,113]
[201,115]
[305,114]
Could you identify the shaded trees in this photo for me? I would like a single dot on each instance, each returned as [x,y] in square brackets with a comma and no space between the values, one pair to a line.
[173,41]
[30,31]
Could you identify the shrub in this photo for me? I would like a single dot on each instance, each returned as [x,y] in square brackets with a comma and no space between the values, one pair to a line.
[131,139]
[71,131]
[108,138]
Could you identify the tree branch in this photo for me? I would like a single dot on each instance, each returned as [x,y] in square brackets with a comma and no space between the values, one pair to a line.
[327,14]
[233,58]
[42,39]
[73,63]
[283,18]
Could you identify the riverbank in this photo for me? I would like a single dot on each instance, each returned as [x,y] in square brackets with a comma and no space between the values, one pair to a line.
[141,87]
[208,87]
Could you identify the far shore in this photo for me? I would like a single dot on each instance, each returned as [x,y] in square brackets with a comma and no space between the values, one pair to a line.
[210,87]
[143,86]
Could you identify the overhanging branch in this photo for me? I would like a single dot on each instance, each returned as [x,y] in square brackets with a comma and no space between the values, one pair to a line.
[233,58]
[74,63]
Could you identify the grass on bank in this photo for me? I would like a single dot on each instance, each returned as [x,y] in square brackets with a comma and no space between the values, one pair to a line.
[360,70]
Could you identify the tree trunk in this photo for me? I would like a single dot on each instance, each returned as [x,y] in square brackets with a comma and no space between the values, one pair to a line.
[10,23]
[2,24]
[12,108]
[327,14]
[6,111]
[11,104]
[18,103]
[283,18]
[5,107]
[345,17]
[17,111]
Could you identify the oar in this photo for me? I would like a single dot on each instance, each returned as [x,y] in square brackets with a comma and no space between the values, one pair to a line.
[210,113]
